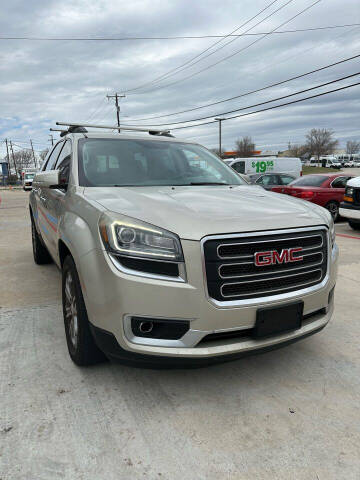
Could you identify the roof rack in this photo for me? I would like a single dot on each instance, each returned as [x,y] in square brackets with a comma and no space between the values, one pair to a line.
[71,126]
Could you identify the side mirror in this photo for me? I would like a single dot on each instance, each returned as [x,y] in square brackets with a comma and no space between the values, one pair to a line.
[49,179]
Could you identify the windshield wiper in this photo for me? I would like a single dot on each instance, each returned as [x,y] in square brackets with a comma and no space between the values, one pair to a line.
[208,183]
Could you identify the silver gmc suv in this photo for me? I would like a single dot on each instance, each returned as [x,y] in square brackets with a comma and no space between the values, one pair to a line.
[169,258]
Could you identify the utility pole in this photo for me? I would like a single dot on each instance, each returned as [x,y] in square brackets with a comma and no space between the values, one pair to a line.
[117,106]
[13,156]
[51,139]
[220,147]
[34,158]
[8,156]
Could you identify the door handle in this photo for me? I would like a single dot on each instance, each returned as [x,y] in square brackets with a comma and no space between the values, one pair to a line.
[43,199]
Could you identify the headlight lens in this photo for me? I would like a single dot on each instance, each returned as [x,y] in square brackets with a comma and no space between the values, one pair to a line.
[131,237]
[349,191]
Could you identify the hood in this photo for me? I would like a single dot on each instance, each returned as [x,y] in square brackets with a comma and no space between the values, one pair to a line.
[354,182]
[193,212]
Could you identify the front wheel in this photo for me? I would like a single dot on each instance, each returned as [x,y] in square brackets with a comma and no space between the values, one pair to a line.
[81,345]
[354,225]
[333,208]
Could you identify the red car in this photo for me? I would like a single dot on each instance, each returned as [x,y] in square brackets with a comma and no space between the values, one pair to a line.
[324,189]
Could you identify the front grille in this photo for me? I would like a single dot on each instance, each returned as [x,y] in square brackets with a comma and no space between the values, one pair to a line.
[356,195]
[231,272]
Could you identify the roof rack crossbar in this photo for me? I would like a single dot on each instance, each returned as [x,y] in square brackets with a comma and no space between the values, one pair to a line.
[151,131]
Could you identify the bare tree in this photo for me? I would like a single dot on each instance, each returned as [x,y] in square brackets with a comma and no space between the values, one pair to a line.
[245,147]
[43,154]
[23,159]
[297,150]
[352,147]
[320,141]
[217,151]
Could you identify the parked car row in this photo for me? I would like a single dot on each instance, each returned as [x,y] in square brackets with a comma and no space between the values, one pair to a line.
[326,190]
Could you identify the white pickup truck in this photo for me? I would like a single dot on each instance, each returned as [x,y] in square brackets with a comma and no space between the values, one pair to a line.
[168,257]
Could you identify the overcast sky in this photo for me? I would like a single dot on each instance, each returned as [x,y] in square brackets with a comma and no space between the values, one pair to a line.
[45,81]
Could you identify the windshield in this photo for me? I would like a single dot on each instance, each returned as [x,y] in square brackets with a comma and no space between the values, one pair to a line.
[29,176]
[120,162]
[309,181]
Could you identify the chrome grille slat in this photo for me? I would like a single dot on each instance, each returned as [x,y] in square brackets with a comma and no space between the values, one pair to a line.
[273,289]
[266,241]
[234,277]
[311,265]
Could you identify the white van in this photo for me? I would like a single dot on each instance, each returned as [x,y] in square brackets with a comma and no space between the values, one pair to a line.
[252,165]
[328,161]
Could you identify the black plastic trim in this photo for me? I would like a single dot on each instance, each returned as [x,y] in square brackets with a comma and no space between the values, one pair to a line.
[107,342]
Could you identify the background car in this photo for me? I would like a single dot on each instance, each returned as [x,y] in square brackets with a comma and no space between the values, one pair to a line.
[270,180]
[326,190]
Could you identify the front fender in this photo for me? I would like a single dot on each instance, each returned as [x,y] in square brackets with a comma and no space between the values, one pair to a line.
[78,235]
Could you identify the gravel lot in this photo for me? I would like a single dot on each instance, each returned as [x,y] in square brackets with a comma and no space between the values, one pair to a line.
[288,414]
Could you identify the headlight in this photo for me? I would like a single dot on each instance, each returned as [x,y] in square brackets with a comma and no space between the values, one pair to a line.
[131,237]
[349,191]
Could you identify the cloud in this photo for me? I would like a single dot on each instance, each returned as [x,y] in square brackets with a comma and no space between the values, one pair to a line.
[45,81]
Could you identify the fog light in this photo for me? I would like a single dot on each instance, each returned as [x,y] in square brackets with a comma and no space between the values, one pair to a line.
[159,328]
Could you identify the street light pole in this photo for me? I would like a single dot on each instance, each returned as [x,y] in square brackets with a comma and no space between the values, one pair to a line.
[220,133]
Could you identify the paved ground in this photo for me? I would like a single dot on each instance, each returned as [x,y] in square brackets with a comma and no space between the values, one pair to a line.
[288,414]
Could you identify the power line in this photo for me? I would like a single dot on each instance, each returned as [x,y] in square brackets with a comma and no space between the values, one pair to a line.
[250,106]
[189,63]
[238,51]
[248,93]
[271,108]
[179,37]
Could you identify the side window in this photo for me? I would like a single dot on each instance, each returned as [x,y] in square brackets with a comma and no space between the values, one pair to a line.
[239,167]
[267,180]
[53,157]
[339,182]
[286,179]
[64,163]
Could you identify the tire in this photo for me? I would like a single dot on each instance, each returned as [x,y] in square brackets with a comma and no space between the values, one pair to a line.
[40,252]
[333,208]
[354,225]
[81,344]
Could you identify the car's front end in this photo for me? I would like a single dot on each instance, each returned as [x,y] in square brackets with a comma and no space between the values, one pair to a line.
[350,207]
[215,292]
[28,181]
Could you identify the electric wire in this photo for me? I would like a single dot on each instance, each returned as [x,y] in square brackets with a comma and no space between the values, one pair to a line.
[192,61]
[248,93]
[271,108]
[250,106]
[179,37]
[234,53]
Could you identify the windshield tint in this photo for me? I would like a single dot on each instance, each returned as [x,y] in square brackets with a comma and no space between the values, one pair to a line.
[118,162]
[309,181]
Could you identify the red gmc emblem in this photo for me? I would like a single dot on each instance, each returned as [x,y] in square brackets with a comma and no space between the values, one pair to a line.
[272,257]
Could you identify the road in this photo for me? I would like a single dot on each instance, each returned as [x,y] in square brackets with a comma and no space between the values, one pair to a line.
[288,414]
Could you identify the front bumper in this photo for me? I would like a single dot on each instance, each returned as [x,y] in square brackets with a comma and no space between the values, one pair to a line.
[347,210]
[113,296]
